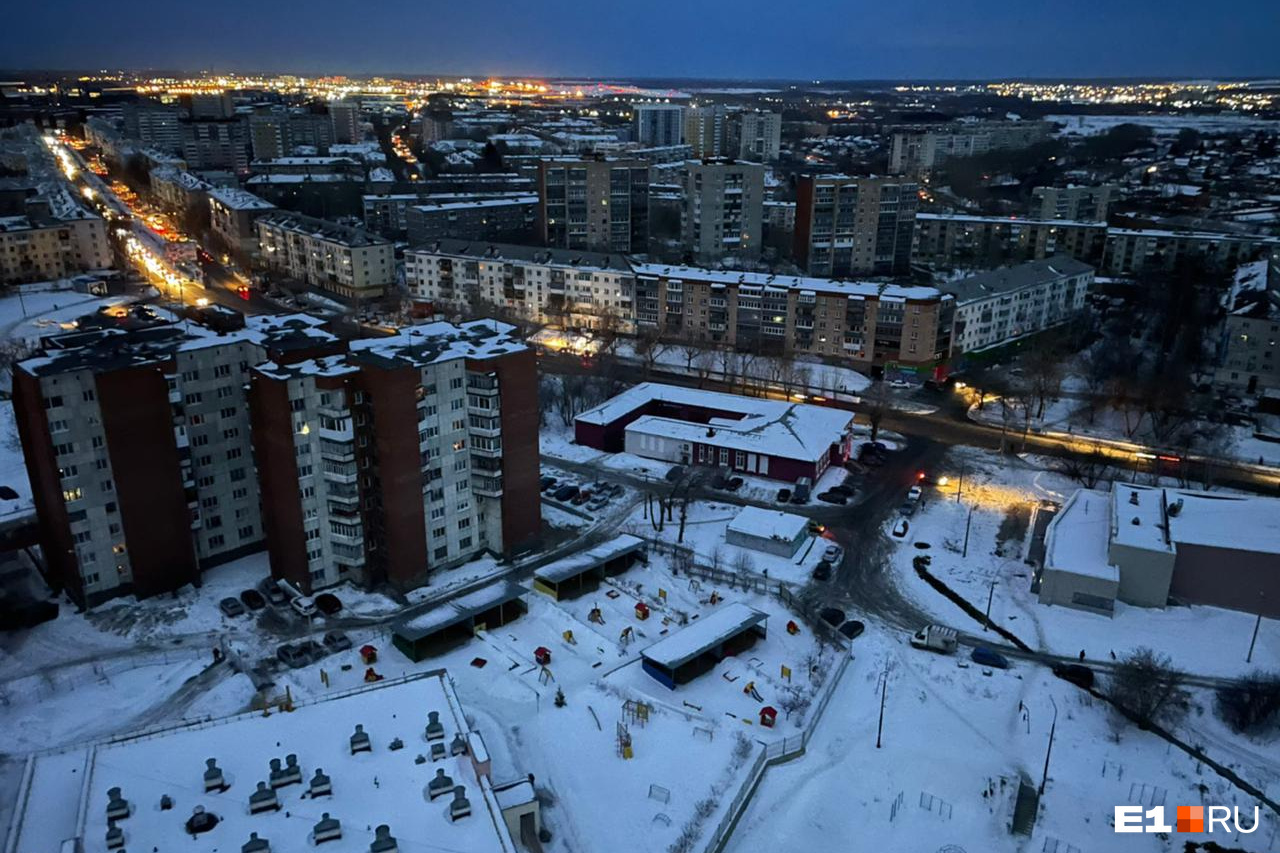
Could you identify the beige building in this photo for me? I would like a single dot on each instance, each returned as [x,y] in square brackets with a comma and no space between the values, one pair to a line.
[1002,305]
[231,216]
[722,209]
[756,136]
[339,260]
[705,130]
[864,323]
[40,246]
[848,225]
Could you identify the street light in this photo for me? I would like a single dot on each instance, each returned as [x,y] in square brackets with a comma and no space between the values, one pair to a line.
[1044,777]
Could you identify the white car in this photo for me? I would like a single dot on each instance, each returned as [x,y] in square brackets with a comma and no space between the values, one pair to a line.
[303,605]
[915,493]
[833,555]
[900,529]
[898,383]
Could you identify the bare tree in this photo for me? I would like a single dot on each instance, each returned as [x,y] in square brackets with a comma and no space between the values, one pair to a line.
[876,404]
[1252,704]
[1146,685]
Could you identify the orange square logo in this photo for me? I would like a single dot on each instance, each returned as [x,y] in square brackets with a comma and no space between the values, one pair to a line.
[1190,818]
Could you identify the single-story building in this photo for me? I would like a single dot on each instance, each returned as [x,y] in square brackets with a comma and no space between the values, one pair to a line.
[769,531]
[454,622]
[699,646]
[573,576]
[1149,546]
[688,426]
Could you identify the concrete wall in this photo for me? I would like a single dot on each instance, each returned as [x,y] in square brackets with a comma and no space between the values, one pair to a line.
[1144,574]
[1061,587]
[1224,577]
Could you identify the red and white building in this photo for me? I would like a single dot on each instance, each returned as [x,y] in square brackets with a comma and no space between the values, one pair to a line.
[686,426]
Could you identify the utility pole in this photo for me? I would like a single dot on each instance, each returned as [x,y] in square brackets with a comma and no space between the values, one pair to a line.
[884,689]
[960,484]
[967,525]
[1044,777]
[1256,626]
[986,620]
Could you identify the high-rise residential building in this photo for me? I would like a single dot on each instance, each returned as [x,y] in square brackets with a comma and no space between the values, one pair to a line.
[657,125]
[946,239]
[594,203]
[209,105]
[506,218]
[153,124]
[563,287]
[405,455]
[723,208]
[999,306]
[755,136]
[348,263]
[138,448]
[916,150]
[848,225]
[436,126]
[216,144]
[1073,202]
[866,324]
[278,134]
[345,119]
[705,129]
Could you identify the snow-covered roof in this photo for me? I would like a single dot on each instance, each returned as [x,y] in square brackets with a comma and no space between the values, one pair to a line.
[1138,517]
[1238,522]
[769,524]
[1016,277]
[381,786]
[237,199]
[464,607]
[575,565]
[1076,539]
[1007,220]
[740,278]
[705,634]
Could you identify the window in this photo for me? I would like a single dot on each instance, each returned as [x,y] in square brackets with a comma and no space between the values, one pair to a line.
[464,542]
[83,536]
[222,370]
[64,449]
[57,426]
[108,486]
[464,523]
[89,396]
[216,541]
[246,532]
[442,552]
[68,471]
[71,495]
[98,441]
[237,474]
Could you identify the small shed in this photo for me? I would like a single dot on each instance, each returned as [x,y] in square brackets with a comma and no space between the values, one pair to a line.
[698,647]
[582,573]
[768,531]
[453,622]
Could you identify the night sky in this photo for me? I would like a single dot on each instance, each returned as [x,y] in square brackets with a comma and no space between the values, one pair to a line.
[793,39]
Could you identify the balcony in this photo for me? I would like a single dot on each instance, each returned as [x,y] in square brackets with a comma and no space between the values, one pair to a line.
[487,486]
[337,451]
[344,494]
[355,538]
[335,472]
[337,430]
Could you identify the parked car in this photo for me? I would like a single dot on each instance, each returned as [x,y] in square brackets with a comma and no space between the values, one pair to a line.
[275,595]
[800,495]
[833,616]
[674,473]
[734,484]
[545,483]
[303,605]
[915,493]
[784,495]
[336,641]
[900,529]
[816,529]
[833,498]
[616,490]
[909,508]
[833,553]
[311,650]
[290,656]
[231,606]
[1080,676]
[877,446]
[842,489]
[852,629]
[580,498]
[935,638]
[899,384]
[328,603]
[598,503]
[822,571]
[984,656]
[565,493]
[253,599]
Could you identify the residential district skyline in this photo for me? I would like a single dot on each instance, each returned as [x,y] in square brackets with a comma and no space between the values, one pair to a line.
[920,39]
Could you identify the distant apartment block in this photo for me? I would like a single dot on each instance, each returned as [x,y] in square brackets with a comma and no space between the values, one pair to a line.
[594,203]
[755,136]
[54,238]
[279,133]
[216,144]
[177,190]
[508,218]
[1249,349]
[1130,251]
[1073,202]
[344,117]
[848,225]
[867,324]
[656,125]
[153,124]
[339,260]
[232,214]
[723,208]
[402,456]
[996,307]
[921,149]
[138,448]
[705,130]
[388,214]
[944,239]
[586,290]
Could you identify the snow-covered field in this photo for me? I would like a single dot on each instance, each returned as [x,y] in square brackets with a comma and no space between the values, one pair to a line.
[1163,125]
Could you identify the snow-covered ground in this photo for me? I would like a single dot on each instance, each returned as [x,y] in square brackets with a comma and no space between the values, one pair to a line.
[1164,125]
[994,511]
[33,315]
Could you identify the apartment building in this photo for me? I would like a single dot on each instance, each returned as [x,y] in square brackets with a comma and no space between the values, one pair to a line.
[508,218]
[176,190]
[598,204]
[946,239]
[400,457]
[870,325]
[705,130]
[232,213]
[153,124]
[1131,250]
[996,307]
[916,150]
[583,290]
[1249,348]
[341,261]
[215,144]
[722,210]
[278,133]
[1073,202]
[657,125]
[847,225]
[344,116]
[137,443]
[755,136]
[51,241]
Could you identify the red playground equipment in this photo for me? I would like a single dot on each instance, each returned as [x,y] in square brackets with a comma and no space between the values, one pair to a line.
[542,655]
[768,716]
